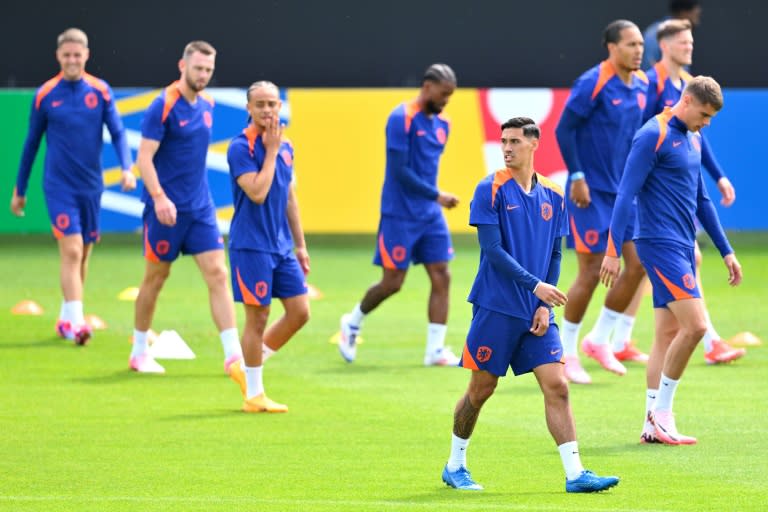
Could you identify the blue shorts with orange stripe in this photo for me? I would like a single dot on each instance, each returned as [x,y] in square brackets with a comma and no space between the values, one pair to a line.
[258,276]
[400,242]
[194,232]
[73,215]
[590,225]
[671,268]
[497,341]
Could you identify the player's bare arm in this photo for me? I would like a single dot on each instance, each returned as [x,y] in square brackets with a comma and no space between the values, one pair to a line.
[550,294]
[540,323]
[164,207]
[447,200]
[734,269]
[17,204]
[609,270]
[580,193]
[294,223]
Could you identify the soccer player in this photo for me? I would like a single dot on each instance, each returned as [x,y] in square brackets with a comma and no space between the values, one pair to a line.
[666,80]
[678,9]
[602,113]
[663,172]
[412,227]
[265,233]
[179,215]
[520,218]
[72,109]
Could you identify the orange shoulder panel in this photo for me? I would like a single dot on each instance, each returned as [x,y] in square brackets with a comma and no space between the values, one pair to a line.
[548,183]
[686,76]
[251,135]
[46,88]
[661,77]
[639,73]
[97,84]
[663,120]
[411,109]
[207,97]
[606,73]
[500,177]
[172,95]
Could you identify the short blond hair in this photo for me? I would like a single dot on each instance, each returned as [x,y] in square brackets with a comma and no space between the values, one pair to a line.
[72,35]
[198,46]
[706,90]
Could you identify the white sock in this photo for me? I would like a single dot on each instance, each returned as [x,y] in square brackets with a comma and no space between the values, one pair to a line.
[356,316]
[73,311]
[569,454]
[650,401]
[458,456]
[622,332]
[603,327]
[63,313]
[230,342]
[140,345]
[666,396]
[253,381]
[435,337]
[569,335]
[710,335]
[266,353]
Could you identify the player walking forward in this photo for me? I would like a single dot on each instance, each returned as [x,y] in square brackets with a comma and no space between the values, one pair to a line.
[520,218]
[663,172]
[72,109]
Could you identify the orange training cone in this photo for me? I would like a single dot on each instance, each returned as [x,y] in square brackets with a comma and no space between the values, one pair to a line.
[27,307]
[314,293]
[745,339]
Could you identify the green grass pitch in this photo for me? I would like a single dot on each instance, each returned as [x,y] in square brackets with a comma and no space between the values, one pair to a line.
[78,431]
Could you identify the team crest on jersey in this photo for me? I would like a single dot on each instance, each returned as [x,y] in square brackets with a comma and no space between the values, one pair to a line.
[641,100]
[591,237]
[207,119]
[441,135]
[287,158]
[91,100]
[689,282]
[398,253]
[546,211]
[483,354]
[62,221]
[162,247]
[261,289]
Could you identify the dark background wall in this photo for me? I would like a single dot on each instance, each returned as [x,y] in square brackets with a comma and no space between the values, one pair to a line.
[359,43]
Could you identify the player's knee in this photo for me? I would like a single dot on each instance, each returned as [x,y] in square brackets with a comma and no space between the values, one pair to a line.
[216,276]
[697,330]
[299,316]
[391,286]
[589,275]
[72,254]
[482,391]
[557,389]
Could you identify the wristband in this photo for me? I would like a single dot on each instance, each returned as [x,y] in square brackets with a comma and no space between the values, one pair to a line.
[576,176]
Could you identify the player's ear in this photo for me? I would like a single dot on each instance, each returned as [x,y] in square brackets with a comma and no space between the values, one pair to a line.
[182,65]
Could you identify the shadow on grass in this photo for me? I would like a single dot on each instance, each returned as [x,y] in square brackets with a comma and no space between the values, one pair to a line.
[44,343]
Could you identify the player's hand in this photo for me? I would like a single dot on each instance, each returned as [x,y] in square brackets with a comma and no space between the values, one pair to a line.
[165,210]
[550,295]
[580,193]
[540,322]
[273,135]
[303,257]
[609,270]
[127,181]
[447,200]
[727,191]
[734,269]
[17,205]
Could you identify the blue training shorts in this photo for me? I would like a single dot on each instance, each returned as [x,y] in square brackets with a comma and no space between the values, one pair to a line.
[497,341]
[258,276]
[671,269]
[194,233]
[400,242]
[72,215]
[590,225]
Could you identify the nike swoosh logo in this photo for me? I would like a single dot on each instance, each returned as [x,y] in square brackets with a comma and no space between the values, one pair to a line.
[652,397]
[676,143]
[553,352]
[57,103]
[184,123]
[421,133]
[512,206]
[616,102]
